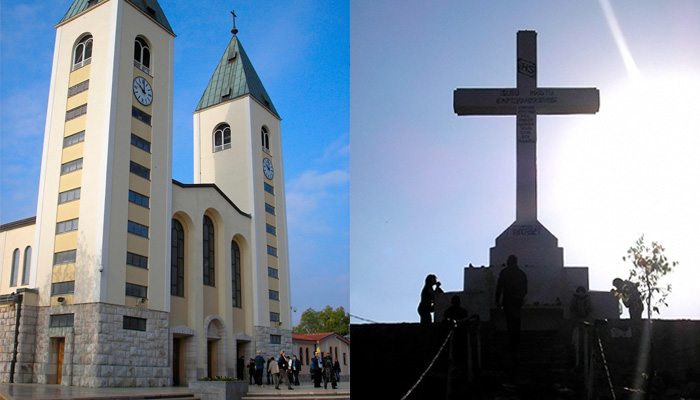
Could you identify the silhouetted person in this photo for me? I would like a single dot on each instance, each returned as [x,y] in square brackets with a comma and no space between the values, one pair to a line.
[628,293]
[456,313]
[580,306]
[512,284]
[240,367]
[427,299]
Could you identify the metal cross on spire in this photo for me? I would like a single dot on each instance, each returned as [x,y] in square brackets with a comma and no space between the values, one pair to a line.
[234,30]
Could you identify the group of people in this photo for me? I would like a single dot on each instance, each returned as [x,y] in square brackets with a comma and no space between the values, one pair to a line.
[511,289]
[283,369]
[286,369]
[324,368]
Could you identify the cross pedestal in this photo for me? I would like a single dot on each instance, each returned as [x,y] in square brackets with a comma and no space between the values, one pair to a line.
[537,249]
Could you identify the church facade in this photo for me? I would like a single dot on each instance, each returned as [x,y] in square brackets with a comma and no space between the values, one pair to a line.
[127,277]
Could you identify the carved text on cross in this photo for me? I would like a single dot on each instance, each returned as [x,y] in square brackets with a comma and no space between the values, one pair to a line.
[526,101]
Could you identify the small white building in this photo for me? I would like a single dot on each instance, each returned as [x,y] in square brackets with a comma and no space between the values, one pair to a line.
[338,346]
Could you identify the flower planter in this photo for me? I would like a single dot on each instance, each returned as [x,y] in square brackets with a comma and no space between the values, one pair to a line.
[221,390]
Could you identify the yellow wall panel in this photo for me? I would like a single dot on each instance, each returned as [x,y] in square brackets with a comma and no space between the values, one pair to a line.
[77,100]
[66,241]
[136,244]
[136,275]
[269,199]
[70,181]
[76,124]
[139,214]
[140,157]
[63,273]
[68,210]
[273,283]
[79,75]
[67,300]
[73,152]
[139,185]
[270,219]
[141,129]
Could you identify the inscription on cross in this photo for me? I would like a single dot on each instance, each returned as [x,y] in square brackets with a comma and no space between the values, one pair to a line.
[526,101]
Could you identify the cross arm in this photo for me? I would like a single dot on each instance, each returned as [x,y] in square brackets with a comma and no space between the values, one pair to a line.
[549,101]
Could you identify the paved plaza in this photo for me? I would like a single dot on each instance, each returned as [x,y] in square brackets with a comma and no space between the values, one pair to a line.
[30,391]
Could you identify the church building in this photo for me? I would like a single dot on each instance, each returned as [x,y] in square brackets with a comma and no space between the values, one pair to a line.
[127,277]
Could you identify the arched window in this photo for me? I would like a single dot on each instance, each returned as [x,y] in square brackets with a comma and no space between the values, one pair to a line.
[177,259]
[15,268]
[83,52]
[265,137]
[208,251]
[27,264]
[142,55]
[222,138]
[236,274]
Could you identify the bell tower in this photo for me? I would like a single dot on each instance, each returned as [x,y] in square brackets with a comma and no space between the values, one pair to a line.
[103,213]
[237,146]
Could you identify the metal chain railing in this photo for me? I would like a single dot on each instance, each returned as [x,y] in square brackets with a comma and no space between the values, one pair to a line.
[442,347]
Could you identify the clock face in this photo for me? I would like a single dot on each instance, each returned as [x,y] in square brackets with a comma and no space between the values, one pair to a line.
[143,91]
[267,168]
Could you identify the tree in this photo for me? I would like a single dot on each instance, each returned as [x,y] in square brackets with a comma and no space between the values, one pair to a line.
[650,265]
[326,320]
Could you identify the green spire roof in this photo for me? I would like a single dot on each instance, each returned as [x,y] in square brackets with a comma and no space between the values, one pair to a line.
[234,77]
[150,7]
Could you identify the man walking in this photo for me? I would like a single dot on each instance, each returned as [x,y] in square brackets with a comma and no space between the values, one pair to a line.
[283,367]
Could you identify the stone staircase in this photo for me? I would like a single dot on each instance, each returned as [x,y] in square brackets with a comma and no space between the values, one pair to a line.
[300,395]
[542,367]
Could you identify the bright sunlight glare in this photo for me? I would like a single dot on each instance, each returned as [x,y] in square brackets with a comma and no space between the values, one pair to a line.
[634,169]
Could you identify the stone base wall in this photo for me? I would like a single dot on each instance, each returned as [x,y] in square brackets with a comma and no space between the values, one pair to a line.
[267,349]
[98,352]
[26,344]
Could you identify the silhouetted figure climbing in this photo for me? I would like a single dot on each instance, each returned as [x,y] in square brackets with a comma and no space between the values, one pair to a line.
[628,293]
[427,299]
[512,283]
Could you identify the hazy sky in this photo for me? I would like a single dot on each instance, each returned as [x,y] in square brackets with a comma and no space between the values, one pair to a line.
[431,191]
[300,50]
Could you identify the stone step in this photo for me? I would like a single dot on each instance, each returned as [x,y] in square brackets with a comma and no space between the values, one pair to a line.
[331,395]
[135,396]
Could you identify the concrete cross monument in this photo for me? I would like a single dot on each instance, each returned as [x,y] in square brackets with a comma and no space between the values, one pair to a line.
[536,248]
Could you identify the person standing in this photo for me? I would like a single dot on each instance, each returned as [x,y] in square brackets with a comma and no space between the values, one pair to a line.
[512,284]
[336,369]
[274,370]
[283,366]
[296,367]
[328,373]
[316,369]
[240,367]
[269,361]
[251,370]
[259,367]
[427,299]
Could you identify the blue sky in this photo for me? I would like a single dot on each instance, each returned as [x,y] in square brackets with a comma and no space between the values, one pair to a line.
[430,191]
[300,50]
